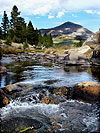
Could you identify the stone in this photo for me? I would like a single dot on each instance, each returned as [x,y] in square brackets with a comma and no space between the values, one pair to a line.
[11,88]
[95,59]
[3,99]
[3,69]
[87,90]
[77,56]
[93,40]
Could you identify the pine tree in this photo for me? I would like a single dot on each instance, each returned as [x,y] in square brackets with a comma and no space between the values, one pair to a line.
[0,33]
[32,35]
[50,41]
[14,15]
[20,31]
[5,25]
[18,26]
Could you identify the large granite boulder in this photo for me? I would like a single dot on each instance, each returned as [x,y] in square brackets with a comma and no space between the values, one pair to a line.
[95,59]
[93,41]
[88,90]
[78,56]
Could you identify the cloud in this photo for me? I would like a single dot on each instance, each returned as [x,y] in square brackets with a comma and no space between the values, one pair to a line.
[60,14]
[43,7]
[50,16]
[93,12]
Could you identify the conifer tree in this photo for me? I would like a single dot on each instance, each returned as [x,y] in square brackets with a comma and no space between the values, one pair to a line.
[18,26]
[20,31]
[32,35]
[1,33]
[14,15]
[5,24]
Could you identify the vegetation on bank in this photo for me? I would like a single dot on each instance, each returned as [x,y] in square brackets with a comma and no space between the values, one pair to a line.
[16,30]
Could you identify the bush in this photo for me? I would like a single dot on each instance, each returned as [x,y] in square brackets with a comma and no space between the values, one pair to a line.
[78,44]
[8,40]
[11,50]
[26,45]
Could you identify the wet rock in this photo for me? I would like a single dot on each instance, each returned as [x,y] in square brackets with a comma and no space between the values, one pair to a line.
[11,88]
[95,59]
[54,95]
[88,90]
[17,87]
[3,70]
[3,99]
[51,81]
[22,124]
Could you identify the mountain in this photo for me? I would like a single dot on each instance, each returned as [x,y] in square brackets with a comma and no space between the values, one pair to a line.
[69,29]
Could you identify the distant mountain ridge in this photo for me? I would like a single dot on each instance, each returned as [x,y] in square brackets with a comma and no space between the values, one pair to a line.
[68,29]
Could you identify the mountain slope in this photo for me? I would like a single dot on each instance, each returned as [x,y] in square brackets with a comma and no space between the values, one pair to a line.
[69,29]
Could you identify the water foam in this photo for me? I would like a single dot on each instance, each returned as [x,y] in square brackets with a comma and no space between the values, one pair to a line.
[17,106]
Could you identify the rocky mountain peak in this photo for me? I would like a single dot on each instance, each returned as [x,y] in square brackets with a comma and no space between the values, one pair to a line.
[68,29]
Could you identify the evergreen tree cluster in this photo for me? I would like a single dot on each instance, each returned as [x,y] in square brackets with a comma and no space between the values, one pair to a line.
[18,31]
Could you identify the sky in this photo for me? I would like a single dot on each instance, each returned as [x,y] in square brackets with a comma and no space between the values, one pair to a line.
[51,13]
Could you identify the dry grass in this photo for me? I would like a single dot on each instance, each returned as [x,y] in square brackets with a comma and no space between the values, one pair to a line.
[11,50]
[58,50]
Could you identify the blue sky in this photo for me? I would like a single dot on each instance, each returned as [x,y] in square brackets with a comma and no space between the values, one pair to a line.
[51,13]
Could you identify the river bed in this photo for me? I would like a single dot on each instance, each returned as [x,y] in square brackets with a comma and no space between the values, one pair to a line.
[67,115]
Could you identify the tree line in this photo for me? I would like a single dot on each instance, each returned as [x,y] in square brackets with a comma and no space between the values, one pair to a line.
[16,30]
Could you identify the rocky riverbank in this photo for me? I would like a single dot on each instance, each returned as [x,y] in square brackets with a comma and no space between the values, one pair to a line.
[63,59]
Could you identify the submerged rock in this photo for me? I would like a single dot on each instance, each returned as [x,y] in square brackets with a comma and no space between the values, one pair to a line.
[22,124]
[88,90]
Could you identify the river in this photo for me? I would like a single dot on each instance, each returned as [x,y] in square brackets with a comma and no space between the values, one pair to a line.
[63,114]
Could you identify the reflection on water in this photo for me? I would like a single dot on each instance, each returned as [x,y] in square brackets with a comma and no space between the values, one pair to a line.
[37,73]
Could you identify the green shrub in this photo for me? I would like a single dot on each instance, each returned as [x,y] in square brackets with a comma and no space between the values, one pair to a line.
[8,40]
[79,44]
[26,45]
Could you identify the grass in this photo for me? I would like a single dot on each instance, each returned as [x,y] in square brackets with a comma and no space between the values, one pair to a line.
[65,40]
[11,50]
[59,47]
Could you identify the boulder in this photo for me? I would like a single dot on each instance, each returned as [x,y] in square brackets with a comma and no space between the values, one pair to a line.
[88,90]
[3,99]
[78,56]
[93,41]
[3,69]
[95,59]
[11,88]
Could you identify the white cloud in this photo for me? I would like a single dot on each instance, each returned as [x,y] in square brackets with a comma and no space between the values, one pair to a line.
[50,16]
[60,14]
[93,12]
[43,7]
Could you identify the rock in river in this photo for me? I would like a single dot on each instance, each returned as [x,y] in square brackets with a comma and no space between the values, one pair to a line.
[3,99]
[2,69]
[88,90]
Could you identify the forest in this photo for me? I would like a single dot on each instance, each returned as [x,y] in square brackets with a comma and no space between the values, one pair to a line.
[17,30]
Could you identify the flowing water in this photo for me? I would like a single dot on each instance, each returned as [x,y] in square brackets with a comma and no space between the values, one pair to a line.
[64,116]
